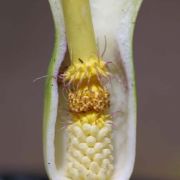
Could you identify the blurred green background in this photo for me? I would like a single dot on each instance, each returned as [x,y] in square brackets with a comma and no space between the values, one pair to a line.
[26,42]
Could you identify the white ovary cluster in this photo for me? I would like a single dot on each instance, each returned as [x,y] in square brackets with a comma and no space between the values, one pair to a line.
[89,153]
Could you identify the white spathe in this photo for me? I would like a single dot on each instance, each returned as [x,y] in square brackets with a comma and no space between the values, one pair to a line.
[113,20]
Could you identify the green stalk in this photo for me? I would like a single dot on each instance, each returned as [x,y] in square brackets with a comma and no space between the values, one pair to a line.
[79,29]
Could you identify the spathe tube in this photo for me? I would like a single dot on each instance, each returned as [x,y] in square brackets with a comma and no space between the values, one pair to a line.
[113,23]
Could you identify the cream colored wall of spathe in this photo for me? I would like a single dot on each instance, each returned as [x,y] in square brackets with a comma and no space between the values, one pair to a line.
[26,41]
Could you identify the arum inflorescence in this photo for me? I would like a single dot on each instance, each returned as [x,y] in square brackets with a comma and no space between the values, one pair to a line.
[89,147]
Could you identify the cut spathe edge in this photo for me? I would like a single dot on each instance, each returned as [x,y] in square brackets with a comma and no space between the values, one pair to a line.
[125,27]
[51,89]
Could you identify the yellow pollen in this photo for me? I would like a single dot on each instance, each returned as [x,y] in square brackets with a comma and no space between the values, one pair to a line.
[93,98]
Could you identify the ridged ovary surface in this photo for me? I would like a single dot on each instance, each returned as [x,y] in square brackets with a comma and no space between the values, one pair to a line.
[89,153]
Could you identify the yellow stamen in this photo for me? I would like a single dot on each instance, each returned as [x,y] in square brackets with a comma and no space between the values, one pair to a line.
[88,98]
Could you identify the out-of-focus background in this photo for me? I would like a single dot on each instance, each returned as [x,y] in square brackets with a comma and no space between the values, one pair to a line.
[26,42]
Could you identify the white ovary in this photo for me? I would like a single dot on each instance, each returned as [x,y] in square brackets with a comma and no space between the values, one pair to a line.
[90,152]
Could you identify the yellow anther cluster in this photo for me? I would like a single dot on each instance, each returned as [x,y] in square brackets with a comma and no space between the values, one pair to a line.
[86,99]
